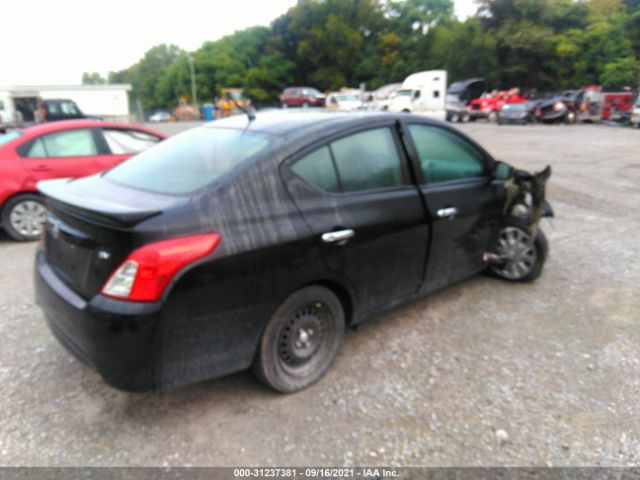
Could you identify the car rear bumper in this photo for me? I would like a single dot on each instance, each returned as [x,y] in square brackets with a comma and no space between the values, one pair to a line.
[518,121]
[478,113]
[118,341]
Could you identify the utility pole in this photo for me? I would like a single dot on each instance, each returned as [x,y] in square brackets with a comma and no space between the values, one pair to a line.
[194,98]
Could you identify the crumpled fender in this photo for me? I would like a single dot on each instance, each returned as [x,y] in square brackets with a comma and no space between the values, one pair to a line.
[528,189]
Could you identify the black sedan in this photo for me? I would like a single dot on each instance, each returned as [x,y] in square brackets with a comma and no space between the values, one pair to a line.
[515,113]
[256,242]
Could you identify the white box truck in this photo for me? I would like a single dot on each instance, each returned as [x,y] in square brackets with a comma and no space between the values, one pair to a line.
[422,93]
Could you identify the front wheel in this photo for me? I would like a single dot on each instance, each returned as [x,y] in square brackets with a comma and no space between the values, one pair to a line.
[521,260]
[23,217]
[492,117]
[301,340]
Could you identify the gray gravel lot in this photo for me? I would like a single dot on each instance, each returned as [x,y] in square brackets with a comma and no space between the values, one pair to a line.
[482,373]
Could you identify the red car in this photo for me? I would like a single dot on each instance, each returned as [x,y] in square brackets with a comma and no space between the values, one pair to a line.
[72,148]
[301,97]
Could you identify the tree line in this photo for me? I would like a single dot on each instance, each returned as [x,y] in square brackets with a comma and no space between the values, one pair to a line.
[328,44]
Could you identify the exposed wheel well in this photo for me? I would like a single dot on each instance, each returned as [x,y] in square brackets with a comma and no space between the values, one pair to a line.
[8,199]
[343,295]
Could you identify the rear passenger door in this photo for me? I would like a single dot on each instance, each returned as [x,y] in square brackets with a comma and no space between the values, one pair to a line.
[365,215]
[68,153]
[464,205]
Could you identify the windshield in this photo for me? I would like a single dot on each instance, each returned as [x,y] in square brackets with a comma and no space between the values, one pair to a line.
[189,161]
[7,137]
[514,106]
[403,93]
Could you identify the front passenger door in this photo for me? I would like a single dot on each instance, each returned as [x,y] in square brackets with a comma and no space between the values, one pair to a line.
[464,206]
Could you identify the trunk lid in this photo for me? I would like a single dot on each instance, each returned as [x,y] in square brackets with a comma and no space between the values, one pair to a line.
[89,229]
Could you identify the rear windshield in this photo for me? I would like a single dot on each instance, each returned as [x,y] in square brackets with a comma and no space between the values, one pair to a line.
[7,137]
[189,161]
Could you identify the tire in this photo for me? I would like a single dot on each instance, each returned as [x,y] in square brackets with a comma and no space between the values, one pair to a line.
[30,207]
[570,118]
[464,118]
[289,357]
[531,257]
[454,118]
[305,105]
[492,117]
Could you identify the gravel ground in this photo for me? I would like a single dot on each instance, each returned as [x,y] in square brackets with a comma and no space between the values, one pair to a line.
[483,373]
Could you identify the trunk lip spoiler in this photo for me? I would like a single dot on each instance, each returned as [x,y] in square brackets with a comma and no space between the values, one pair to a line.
[75,202]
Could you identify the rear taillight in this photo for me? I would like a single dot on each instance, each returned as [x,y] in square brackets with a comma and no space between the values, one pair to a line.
[146,272]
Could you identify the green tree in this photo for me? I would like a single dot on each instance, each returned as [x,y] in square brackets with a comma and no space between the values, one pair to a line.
[464,50]
[93,78]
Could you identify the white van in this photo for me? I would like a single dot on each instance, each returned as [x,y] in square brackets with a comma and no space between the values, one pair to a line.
[423,93]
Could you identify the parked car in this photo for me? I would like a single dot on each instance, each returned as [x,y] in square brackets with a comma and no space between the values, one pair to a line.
[256,243]
[72,148]
[511,113]
[57,109]
[160,117]
[553,107]
[344,101]
[382,96]
[301,97]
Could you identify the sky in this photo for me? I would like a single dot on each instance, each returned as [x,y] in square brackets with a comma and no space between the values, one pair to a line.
[52,42]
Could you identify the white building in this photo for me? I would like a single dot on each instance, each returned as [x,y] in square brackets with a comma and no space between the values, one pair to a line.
[110,102]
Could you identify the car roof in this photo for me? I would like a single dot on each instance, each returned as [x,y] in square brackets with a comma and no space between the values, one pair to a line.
[301,123]
[51,127]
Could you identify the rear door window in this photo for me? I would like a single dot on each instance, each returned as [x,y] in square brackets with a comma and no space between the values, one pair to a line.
[124,141]
[70,143]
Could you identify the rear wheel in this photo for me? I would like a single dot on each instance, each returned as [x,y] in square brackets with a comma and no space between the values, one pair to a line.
[301,340]
[522,259]
[492,117]
[23,217]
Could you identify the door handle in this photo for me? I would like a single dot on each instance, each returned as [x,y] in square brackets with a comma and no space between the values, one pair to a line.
[338,236]
[41,168]
[447,212]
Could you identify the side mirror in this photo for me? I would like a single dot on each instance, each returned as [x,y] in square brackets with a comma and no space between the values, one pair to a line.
[503,171]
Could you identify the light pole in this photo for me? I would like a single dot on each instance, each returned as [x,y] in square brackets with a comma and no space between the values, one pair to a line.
[194,98]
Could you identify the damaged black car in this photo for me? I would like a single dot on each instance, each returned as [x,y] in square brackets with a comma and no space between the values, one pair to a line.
[254,243]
